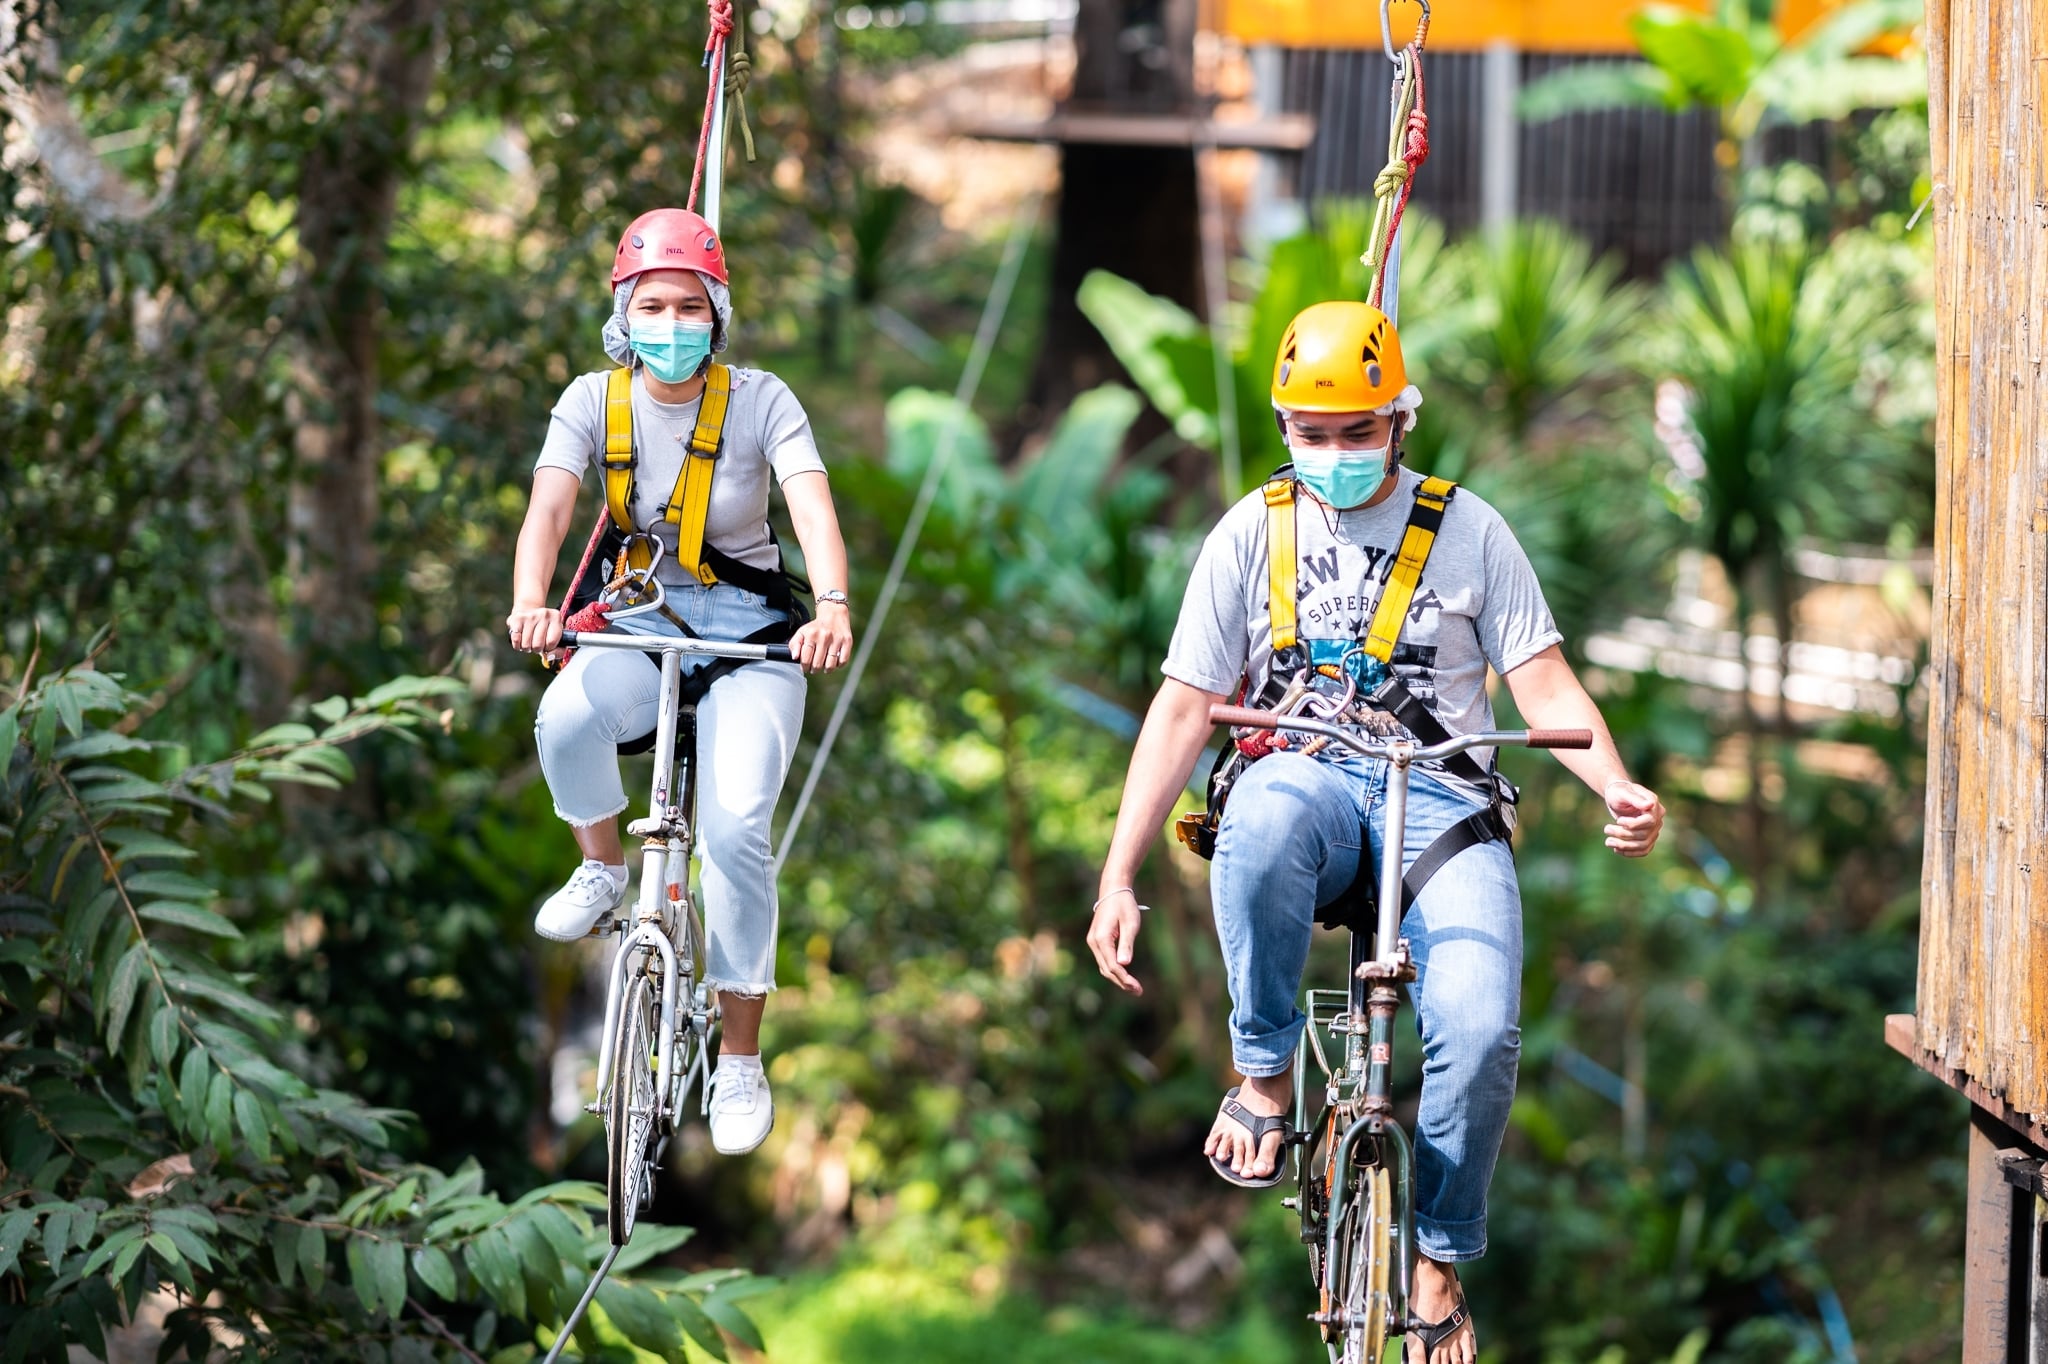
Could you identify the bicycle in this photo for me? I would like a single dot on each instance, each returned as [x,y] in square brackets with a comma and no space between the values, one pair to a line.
[1352,1165]
[660,1019]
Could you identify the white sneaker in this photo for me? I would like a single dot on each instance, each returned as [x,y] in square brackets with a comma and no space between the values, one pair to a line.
[742,1110]
[594,890]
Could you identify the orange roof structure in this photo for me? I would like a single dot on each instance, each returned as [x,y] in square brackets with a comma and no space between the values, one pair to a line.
[1468,25]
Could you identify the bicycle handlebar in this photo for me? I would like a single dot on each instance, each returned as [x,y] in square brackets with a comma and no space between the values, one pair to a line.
[658,644]
[1384,748]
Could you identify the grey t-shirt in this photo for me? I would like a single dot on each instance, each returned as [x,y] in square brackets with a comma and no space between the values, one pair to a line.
[1478,602]
[765,429]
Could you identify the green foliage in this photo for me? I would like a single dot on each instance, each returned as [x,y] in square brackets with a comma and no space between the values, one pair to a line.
[1775,344]
[158,1126]
[1742,68]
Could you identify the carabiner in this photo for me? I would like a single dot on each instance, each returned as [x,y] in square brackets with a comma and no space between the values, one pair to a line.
[1387,30]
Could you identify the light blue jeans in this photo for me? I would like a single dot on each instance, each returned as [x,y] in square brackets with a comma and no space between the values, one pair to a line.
[1288,842]
[747,727]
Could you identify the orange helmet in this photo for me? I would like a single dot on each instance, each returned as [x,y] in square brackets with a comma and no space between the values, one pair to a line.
[1338,357]
[669,239]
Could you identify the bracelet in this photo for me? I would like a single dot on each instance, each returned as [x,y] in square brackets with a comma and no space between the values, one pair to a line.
[1120,890]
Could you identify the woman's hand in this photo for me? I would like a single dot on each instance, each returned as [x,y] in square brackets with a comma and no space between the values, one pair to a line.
[825,643]
[534,629]
[1638,817]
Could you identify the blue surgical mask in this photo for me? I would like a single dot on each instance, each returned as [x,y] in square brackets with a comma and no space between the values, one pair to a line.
[672,351]
[1342,478]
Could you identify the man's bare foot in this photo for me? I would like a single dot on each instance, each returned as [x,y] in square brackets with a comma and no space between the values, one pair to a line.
[1230,1142]
[1437,1295]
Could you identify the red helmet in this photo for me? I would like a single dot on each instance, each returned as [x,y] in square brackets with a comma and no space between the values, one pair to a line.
[669,239]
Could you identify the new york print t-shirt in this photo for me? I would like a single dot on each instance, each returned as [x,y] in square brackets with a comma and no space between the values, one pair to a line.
[1478,603]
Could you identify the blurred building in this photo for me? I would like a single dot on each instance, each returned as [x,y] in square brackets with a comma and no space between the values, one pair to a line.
[1640,182]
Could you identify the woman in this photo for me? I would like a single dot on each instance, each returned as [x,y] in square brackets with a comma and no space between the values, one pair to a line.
[671,311]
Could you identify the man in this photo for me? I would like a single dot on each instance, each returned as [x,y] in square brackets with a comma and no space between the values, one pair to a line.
[1295,828]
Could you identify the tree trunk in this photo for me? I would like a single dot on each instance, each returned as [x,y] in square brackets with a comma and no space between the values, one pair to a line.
[1131,210]
[348,191]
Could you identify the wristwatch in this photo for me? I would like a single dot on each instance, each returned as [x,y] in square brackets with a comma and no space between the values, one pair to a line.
[833,595]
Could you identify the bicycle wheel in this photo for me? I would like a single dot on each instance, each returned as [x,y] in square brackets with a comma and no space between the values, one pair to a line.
[629,1112]
[1366,1253]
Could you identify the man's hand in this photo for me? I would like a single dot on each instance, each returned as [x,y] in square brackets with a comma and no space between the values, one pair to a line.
[1112,936]
[1638,817]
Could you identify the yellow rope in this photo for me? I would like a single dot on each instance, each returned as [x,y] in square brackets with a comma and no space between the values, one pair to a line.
[1386,187]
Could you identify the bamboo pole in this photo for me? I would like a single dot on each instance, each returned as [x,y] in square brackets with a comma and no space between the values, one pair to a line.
[1983,983]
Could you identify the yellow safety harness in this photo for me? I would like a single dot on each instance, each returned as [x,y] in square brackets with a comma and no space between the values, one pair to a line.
[1283,567]
[689,504]
[1283,564]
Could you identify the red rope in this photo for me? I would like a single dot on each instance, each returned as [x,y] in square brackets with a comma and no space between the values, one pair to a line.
[714,58]
[592,617]
[1413,154]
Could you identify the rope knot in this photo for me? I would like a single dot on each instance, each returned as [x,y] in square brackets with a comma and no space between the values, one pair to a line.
[721,22]
[1390,180]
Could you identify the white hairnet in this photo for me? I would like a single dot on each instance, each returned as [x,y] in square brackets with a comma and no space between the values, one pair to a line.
[616,342]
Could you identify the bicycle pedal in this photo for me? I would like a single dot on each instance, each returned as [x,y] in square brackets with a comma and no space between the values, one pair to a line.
[606,927]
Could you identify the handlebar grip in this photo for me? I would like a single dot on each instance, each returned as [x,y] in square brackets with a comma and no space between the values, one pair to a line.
[779,653]
[570,639]
[1560,738]
[1243,715]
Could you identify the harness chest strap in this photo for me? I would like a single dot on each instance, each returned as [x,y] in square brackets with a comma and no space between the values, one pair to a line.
[689,503]
[1424,521]
[1283,564]
[1281,567]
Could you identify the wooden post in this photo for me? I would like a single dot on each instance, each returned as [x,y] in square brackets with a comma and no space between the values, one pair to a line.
[1983,987]
[1982,1022]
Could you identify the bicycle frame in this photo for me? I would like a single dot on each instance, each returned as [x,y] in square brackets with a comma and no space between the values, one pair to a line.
[1366,1021]
[667,841]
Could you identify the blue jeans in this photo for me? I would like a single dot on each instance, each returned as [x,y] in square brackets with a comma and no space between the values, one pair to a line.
[1288,842]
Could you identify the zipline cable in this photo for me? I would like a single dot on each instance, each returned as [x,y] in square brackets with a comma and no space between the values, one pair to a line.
[992,313]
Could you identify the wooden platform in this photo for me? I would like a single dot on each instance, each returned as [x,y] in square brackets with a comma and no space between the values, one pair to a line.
[1901,1034]
[1277,133]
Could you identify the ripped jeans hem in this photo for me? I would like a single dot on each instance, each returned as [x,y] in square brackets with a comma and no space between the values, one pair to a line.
[743,989]
[594,820]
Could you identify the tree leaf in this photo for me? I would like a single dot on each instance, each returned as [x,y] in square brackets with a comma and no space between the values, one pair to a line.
[701,1328]
[130,1252]
[284,1253]
[57,1237]
[163,1033]
[137,843]
[278,736]
[110,1248]
[410,689]
[436,1271]
[645,1319]
[175,884]
[121,994]
[189,916]
[254,1120]
[192,1091]
[312,1256]
[357,1256]
[386,1258]
[220,1102]
[491,1259]
[15,1229]
[722,1306]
